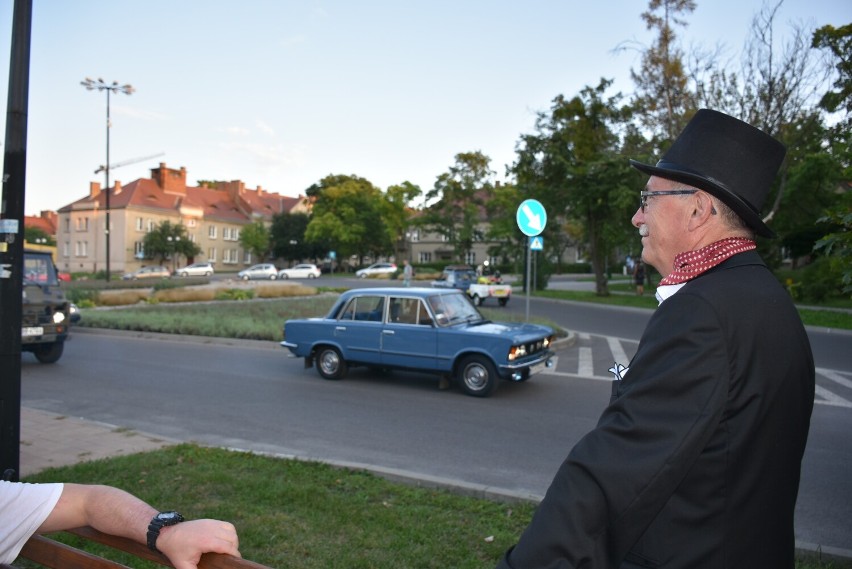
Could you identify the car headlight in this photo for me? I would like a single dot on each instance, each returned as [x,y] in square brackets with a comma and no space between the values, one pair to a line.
[517,352]
[58,317]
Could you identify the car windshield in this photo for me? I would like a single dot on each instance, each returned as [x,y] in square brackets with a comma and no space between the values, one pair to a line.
[452,309]
[38,269]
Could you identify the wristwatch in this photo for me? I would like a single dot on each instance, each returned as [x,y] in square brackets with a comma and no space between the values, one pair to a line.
[158,522]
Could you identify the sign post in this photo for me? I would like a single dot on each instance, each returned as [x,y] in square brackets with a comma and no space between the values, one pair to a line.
[531,218]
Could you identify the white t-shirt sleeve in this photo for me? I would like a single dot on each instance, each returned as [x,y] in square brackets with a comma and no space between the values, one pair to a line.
[23,508]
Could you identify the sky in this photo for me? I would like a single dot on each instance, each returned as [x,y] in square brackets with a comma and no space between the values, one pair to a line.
[281,93]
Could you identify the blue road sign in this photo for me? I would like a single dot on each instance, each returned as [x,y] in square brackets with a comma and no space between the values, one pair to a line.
[531,217]
[536,243]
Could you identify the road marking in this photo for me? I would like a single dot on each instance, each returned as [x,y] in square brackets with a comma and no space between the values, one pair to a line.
[618,354]
[834,376]
[829,398]
[586,365]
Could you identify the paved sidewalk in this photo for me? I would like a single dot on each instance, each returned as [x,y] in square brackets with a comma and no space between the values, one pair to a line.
[48,439]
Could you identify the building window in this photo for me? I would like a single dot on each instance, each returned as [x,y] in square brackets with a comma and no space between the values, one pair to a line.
[67,221]
[247,257]
[66,249]
[470,258]
[150,225]
[414,236]
[139,224]
[139,249]
[82,249]
[211,232]
[231,256]
[82,224]
[211,254]
[425,257]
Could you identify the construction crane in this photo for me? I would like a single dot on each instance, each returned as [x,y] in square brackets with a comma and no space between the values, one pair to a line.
[128,162]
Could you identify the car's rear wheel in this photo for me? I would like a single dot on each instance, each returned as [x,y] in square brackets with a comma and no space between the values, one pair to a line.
[477,301]
[49,353]
[312,276]
[273,277]
[477,376]
[330,363]
[503,301]
[207,274]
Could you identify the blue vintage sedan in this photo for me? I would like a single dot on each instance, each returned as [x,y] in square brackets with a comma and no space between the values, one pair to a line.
[423,329]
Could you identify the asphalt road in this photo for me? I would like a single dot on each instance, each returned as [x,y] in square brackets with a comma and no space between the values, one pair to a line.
[251,395]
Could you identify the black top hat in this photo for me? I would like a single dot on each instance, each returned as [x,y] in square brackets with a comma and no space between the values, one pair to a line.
[727,158]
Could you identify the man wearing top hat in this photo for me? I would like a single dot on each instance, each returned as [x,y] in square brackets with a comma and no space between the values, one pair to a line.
[695,462]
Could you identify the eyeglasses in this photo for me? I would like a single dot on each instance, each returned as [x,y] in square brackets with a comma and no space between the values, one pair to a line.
[643,199]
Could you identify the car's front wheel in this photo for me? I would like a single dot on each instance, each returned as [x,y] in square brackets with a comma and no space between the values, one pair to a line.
[283,276]
[245,277]
[330,363]
[49,353]
[477,376]
[183,274]
[273,277]
[477,301]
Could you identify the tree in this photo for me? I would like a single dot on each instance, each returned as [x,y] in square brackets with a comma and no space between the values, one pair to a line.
[347,213]
[663,98]
[38,235]
[288,238]
[255,238]
[458,202]
[574,165]
[397,213]
[169,241]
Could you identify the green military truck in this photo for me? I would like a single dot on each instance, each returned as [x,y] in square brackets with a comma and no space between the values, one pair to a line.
[46,314]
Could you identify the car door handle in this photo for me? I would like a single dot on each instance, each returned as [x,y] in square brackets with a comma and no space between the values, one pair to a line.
[340,329]
[388,332]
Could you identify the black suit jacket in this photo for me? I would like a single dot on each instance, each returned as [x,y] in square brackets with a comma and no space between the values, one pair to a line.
[695,462]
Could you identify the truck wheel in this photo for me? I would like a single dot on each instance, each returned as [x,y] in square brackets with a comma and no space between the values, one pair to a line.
[330,364]
[477,301]
[49,353]
[503,301]
[477,376]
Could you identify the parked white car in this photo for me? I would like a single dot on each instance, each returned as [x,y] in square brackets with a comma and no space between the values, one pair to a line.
[260,271]
[376,269]
[301,271]
[196,270]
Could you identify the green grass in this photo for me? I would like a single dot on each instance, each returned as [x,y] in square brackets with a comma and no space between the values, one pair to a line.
[295,514]
[252,320]
[290,513]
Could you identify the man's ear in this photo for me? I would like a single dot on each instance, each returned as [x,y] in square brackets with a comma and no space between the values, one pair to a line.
[703,209]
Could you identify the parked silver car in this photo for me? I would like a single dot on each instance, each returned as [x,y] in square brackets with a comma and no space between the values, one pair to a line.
[300,271]
[259,272]
[196,270]
[376,269]
[150,272]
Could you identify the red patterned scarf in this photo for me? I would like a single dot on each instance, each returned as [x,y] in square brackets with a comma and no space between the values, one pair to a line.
[690,264]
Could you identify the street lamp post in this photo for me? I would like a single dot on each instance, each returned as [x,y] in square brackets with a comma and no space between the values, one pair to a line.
[100,85]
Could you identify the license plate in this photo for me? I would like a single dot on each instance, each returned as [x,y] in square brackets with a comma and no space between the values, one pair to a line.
[32,331]
[500,292]
[540,367]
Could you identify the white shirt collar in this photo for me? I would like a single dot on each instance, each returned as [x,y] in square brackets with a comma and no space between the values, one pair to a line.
[665,291]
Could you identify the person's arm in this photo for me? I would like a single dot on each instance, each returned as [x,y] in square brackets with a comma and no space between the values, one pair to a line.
[119,513]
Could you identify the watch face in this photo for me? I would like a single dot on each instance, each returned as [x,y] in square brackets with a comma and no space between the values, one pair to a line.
[168,516]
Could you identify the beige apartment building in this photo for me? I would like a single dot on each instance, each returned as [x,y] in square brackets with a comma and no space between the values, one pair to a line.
[213,218]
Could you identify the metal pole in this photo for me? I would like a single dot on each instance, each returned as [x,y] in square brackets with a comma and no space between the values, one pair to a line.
[106,189]
[12,241]
[529,258]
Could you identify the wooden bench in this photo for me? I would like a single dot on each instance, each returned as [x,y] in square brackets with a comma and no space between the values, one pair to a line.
[55,555]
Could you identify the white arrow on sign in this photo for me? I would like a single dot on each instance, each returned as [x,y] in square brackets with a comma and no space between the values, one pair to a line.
[533,220]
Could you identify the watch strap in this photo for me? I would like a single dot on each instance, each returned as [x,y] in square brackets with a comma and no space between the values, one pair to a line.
[157,523]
